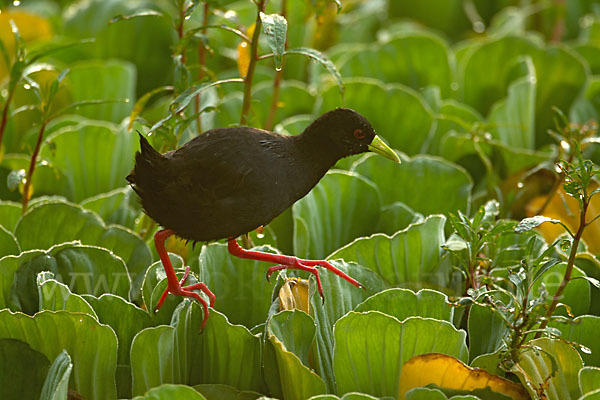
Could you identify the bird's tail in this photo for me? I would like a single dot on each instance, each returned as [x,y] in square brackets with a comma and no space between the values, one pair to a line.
[146,161]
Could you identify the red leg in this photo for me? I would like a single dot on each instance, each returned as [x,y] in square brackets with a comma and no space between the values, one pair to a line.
[173,285]
[288,262]
[299,266]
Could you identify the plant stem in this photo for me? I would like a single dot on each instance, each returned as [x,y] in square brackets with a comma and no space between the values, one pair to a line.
[277,81]
[32,163]
[253,58]
[5,115]
[180,29]
[202,63]
[569,270]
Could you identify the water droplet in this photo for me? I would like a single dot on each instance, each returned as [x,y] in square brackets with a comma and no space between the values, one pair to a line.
[26,86]
[586,350]
[260,232]
[277,69]
[16,3]
[479,27]
[520,185]
[454,86]
[230,14]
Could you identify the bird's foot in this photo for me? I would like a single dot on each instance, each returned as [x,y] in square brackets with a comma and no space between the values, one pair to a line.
[289,262]
[299,266]
[174,286]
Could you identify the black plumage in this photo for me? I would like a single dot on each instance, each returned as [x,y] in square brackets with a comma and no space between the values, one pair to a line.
[229,181]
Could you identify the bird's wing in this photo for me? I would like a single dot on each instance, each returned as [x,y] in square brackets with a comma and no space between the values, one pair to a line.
[217,169]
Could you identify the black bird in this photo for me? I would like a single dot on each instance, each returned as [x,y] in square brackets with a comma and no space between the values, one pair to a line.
[229,181]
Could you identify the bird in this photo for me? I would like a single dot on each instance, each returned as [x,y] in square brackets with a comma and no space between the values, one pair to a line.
[227,182]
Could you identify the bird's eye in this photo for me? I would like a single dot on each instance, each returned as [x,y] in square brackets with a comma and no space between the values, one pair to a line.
[359,134]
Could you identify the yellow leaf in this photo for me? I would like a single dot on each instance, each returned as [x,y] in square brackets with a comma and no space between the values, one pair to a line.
[243,51]
[178,246]
[22,190]
[566,209]
[294,295]
[448,372]
[32,28]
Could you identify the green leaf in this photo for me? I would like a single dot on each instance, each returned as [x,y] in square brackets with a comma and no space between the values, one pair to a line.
[341,297]
[8,243]
[291,333]
[419,183]
[103,80]
[94,156]
[397,216]
[127,320]
[119,206]
[552,365]
[56,296]
[56,384]
[577,293]
[529,223]
[594,395]
[589,379]
[404,303]
[9,215]
[343,206]
[453,117]
[44,226]
[410,257]
[275,27]
[582,330]
[93,346]
[347,396]
[370,349]
[215,391]
[19,360]
[184,99]
[487,331]
[137,14]
[140,104]
[243,293]
[374,99]
[323,60]
[426,394]
[171,392]
[181,353]
[485,68]
[86,269]
[426,61]
[513,118]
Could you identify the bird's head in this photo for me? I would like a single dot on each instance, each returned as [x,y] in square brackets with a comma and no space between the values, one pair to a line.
[351,133]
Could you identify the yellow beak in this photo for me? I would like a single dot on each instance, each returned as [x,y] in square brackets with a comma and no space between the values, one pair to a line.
[377,146]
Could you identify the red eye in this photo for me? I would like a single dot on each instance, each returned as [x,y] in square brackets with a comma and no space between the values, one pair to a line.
[359,134]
